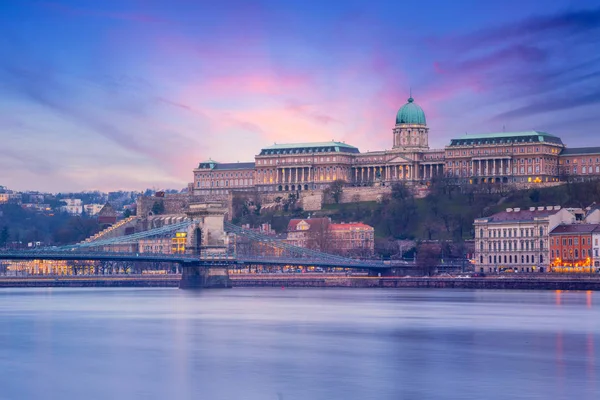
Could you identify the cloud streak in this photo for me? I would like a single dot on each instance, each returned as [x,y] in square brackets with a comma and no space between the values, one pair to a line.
[175,83]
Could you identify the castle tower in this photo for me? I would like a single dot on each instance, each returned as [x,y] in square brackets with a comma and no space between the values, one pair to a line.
[411,132]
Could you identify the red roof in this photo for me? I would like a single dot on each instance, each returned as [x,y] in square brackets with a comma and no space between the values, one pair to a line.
[575,228]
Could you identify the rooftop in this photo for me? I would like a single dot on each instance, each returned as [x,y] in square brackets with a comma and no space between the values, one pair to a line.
[576,151]
[311,223]
[351,225]
[575,228]
[517,215]
[225,166]
[506,138]
[303,148]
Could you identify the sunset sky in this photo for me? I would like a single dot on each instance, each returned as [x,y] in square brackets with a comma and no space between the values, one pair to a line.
[132,94]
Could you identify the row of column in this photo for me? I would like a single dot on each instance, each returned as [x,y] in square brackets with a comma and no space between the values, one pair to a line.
[396,172]
[307,174]
[287,175]
[491,167]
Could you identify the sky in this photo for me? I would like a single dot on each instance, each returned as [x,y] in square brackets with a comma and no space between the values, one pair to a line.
[133,94]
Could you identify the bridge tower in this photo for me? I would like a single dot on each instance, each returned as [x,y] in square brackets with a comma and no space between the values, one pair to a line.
[206,238]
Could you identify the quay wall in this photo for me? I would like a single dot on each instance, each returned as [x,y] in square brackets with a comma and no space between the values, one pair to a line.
[542,283]
[89,281]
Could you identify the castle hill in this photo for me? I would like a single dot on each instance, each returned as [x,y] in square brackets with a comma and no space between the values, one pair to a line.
[494,205]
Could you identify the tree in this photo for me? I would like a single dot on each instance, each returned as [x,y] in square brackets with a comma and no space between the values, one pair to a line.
[428,257]
[127,213]
[336,189]
[158,207]
[400,191]
[319,236]
[4,235]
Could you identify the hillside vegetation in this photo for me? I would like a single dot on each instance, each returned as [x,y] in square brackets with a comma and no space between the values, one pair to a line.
[446,213]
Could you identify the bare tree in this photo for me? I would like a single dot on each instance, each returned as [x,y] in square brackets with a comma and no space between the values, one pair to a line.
[428,257]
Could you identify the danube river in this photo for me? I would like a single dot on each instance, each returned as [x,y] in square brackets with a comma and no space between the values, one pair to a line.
[305,344]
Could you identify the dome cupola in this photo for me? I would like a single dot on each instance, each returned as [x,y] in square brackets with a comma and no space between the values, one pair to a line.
[411,113]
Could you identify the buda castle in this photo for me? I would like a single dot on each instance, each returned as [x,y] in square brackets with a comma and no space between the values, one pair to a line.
[508,157]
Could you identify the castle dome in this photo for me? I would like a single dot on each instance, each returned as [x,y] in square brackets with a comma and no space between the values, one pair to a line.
[411,113]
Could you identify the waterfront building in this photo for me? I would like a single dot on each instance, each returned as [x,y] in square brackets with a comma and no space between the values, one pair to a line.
[518,239]
[529,157]
[596,247]
[353,239]
[320,234]
[571,247]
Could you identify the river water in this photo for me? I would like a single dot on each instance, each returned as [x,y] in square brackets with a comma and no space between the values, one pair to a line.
[304,344]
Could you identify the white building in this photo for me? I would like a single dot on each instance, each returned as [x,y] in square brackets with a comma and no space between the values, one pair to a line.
[519,239]
[73,206]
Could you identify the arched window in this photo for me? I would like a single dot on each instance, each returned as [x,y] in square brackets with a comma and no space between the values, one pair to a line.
[527,259]
[481,233]
[481,245]
[541,245]
[576,254]
[541,231]
[541,258]
[481,259]
[522,259]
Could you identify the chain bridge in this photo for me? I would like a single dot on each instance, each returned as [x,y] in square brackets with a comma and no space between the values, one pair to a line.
[213,246]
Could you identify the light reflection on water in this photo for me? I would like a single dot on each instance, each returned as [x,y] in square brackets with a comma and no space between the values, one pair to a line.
[298,344]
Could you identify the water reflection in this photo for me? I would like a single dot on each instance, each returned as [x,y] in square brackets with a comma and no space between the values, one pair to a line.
[297,344]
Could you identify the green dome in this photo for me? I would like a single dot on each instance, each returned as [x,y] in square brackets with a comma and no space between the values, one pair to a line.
[411,113]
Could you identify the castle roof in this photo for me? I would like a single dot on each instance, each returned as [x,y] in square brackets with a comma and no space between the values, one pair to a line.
[303,148]
[576,151]
[506,138]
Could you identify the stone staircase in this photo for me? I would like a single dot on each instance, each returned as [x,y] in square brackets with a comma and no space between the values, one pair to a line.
[117,229]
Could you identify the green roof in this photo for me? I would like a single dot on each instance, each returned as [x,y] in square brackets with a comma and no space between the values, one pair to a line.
[316,147]
[411,113]
[504,135]
[303,145]
[505,138]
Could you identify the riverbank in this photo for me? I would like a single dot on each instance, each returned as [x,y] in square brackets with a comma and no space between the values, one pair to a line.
[546,282]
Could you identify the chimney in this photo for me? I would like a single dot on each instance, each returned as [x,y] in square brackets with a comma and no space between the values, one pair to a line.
[509,210]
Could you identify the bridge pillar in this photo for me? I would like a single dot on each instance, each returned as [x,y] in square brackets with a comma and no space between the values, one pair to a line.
[204,277]
[206,236]
[207,239]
